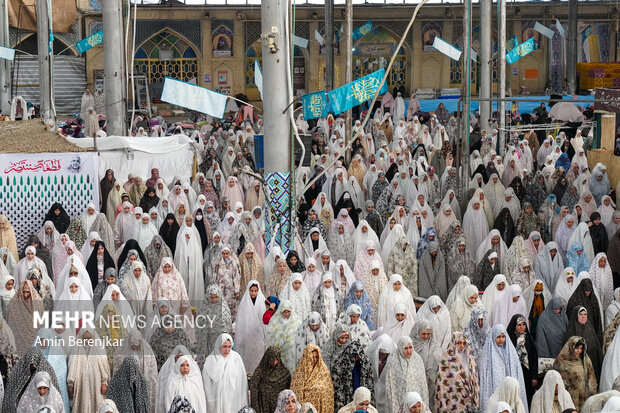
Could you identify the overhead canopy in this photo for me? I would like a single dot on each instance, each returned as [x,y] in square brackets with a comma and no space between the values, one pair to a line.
[172,155]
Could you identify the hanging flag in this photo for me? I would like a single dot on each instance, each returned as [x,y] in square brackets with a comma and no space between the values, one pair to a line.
[357,92]
[194,97]
[318,37]
[258,77]
[512,42]
[300,41]
[446,48]
[315,105]
[518,52]
[90,42]
[7,53]
[544,30]
[591,48]
[560,28]
[474,55]
[362,31]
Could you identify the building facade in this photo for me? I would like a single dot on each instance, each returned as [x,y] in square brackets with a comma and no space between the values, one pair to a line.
[216,46]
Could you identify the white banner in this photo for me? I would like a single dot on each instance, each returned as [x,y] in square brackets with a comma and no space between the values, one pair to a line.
[194,97]
[544,30]
[446,48]
[32,182]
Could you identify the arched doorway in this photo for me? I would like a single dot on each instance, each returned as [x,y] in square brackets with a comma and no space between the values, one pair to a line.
[166,54]
[373,52]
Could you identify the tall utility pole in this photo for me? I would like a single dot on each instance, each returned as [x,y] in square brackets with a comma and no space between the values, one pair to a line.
[113,67]
[571,53]
[5,87]
[277,123]
[501,81]
[485,62]
[466,91]
[348,76]
[329,44]
[45,61]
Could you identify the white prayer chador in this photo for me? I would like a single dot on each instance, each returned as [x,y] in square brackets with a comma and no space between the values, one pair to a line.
[611,365]
[363,233]
[543,399]
[504,310]
[567,283]
[26,263]
[491,294]
[487,244]
[475,224]
[440,320]
[225,380]
[74,301]
[138,290]
[63,278]
[613,308]
[188,260]
[602,280]
[300,299]
[390,297]
[121,304]
[249,328]
[189,386]
[144,232]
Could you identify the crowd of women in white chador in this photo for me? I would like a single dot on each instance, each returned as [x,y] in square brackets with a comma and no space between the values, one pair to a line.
[411,285]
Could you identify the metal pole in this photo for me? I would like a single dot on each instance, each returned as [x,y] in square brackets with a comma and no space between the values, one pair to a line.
[501,84]
[348,76]
[329,44]
[467,93]
[571,53]
[5,88]
[277,126]
[113,65]
[485,61]
[45,60]
[277,130]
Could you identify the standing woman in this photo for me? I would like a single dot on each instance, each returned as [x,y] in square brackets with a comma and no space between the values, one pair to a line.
[457,378]
[326,301]
[526,350]
[249,328]
[551,327]
[270,378]
[579,325]
[188,260]
[212,307]
[105,186]
[350,372]
[281,332]
[7,236]
[184,380]
[499,359]
[169,231]
[227,274]
[576,370]
[98,262]
[403,374]
[20,316]
[312,381]
[224,378]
